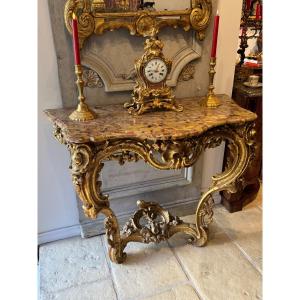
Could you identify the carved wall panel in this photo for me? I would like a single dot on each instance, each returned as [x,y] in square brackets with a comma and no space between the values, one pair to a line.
[113,61]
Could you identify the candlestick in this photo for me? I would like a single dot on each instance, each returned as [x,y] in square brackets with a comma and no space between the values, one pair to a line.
[75,40]
[248,4]
[211,100]
[83,112]
[215,36]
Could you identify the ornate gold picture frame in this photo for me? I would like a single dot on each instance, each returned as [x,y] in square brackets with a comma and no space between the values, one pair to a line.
[92,19]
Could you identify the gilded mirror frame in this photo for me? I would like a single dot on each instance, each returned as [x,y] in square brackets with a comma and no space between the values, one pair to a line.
[141,23]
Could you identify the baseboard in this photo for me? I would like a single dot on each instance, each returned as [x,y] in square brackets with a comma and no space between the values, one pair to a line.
[93,228]
[59,234]
[183,208]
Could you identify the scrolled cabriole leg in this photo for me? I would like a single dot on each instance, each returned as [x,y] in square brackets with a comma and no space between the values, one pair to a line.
[159,225]
[85,168]
[116,245]
[242,142]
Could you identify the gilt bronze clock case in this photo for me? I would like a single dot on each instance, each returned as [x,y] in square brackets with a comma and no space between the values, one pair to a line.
[149,95]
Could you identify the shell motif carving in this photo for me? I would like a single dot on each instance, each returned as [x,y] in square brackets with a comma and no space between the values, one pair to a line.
[177,155]
[156,226]
[92,79]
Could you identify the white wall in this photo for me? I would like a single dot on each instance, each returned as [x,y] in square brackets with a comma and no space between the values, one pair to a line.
[229,28]
[56,197]
[230,15]
[58,216]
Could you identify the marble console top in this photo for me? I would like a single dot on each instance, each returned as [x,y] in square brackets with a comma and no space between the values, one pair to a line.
[113,122]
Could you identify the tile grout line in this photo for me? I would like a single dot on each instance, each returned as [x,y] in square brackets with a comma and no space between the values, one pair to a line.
[76,285]
[109,266]
[185,271]
[244,253]
[160,291]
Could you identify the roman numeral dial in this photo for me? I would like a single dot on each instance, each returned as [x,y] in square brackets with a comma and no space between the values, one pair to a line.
[156,70]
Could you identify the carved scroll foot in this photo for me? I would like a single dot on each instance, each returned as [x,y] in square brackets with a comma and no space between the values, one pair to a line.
[204,216]
[116,255]
[116,246]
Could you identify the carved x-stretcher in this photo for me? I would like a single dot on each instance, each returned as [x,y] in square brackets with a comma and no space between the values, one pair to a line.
[165,140]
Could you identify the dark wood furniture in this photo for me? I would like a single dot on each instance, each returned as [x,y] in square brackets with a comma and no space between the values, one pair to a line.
[251,99]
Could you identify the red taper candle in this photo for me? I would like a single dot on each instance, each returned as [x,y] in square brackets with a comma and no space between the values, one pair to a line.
[75,40]
[248,4]
[215,36]
[258,11]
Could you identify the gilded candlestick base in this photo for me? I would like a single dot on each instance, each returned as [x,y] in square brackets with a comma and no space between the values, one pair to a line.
[211,100]
[83,112]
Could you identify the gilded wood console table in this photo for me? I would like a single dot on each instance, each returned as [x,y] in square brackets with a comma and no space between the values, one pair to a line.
[165,140]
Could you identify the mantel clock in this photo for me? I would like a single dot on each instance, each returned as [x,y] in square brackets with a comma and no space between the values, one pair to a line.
[151,90]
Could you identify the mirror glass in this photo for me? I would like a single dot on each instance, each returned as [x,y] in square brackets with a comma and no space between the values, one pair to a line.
[118,6]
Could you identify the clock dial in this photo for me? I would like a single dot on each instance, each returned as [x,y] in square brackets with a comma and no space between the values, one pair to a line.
[156,70]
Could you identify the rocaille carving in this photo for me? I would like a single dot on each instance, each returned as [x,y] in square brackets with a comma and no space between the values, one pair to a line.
[58,135]
[86,164]
[92,19]
[151,223]
[86,21]
[157,223]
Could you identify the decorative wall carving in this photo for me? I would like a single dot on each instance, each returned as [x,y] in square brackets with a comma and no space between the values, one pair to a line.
[187,72]
[92,79]
[116,77]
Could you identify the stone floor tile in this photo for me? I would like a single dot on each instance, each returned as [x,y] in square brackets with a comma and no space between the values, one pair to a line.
[70,262]
[213,227]
[182,292]
[245,229]
[99,290]
[147,269]
[219,271]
